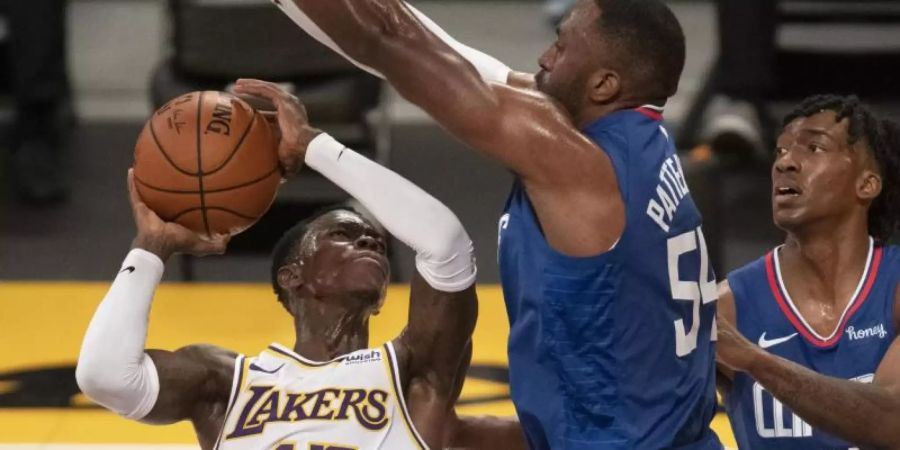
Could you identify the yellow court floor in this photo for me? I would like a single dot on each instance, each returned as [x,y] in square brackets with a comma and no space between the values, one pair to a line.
[42,324]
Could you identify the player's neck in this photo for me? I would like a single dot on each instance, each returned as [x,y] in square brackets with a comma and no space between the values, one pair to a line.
[326,330]
[830,257]
[593,113]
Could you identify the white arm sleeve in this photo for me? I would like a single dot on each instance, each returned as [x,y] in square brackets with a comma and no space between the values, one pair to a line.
[490,68]
[445,256]
[113,369]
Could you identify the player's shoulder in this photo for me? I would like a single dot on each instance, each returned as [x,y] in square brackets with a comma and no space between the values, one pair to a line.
[277,352]
[753,271]
[211,356]
[890,257]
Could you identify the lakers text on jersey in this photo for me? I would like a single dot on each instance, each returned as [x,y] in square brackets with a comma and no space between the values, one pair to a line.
[282,401]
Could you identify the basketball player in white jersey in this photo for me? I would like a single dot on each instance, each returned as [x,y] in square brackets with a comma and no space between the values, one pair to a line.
[330,390]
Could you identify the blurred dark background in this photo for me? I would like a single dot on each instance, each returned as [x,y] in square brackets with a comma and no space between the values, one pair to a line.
[74,93]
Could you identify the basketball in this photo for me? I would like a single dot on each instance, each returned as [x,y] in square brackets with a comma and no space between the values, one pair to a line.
[208,161]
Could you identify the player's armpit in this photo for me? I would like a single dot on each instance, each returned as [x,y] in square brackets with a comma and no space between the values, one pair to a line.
[192,379]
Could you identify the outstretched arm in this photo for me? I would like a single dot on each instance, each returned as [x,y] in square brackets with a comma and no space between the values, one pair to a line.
[525,130]
[865,414]
[490,68]
[114,370]
[512,125]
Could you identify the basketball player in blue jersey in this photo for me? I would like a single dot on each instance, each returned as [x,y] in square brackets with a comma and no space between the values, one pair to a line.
[609,291]
[330,391]
[808,333]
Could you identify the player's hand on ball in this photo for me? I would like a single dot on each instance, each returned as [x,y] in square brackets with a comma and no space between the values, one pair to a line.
[733,350]
[292,123]
[167,238]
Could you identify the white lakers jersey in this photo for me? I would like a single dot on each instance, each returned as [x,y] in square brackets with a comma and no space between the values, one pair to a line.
[282,401]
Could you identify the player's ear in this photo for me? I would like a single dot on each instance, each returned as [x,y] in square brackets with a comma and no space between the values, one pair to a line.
[604,86]
[869,186]
[289,276]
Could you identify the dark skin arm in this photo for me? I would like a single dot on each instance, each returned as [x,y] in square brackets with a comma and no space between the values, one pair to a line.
[431,351]
[481,432]
[563,171]
[864,414]
[195,381]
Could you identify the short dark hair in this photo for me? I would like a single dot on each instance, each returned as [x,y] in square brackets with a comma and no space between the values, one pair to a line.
[287,249]
[648,33]
[882,137]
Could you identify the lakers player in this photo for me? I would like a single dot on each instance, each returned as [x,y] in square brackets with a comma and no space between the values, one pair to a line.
[607,282]
[330,390]
[807,334]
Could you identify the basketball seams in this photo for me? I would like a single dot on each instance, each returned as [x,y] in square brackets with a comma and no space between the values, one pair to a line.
[237,146]
[226,182]
[165,154]
[200,164]
[211,208]
[208,191]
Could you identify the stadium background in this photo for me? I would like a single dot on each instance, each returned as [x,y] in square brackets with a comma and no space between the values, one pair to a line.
[56,262]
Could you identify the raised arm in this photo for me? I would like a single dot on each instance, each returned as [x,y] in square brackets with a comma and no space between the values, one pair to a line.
[443,306]
[490,68]
[865,414]
[525,130]
[153,386]
[515,126]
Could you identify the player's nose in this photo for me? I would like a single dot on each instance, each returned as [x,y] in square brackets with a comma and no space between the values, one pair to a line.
[546,59]
[366,242]
[787,162]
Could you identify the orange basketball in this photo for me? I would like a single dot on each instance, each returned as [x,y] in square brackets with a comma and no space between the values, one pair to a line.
[208,161]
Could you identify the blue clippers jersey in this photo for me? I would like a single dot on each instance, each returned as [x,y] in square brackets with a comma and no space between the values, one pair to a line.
[614,351]
[766,315]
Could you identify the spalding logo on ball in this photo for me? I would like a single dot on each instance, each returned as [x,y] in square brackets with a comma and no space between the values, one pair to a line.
[208,161]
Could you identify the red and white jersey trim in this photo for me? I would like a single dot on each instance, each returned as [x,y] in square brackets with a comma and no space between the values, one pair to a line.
[792,313]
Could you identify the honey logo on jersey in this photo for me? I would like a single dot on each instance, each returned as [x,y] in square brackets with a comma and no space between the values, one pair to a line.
[270,405]
[359,358]
[874,331]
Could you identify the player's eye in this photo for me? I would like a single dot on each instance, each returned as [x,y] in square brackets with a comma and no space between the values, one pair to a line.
[816,148]
[780,151]
[338,234]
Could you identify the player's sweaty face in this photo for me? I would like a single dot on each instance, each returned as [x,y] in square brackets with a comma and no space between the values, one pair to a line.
[815,173]
[344,253]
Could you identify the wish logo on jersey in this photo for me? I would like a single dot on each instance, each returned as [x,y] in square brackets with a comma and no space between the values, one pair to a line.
[360,358]
[269,405]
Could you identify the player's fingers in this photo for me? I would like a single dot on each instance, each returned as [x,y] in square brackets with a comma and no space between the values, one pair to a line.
[215,245]
[259,103]
[133,196]
[260,88]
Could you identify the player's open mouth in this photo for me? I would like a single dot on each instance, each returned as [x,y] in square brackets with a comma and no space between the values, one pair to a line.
[787,191]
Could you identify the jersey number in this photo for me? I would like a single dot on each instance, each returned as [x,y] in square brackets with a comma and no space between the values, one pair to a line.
[702,289]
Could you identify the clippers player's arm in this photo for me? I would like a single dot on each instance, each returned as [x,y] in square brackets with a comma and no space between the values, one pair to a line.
[865,414]
[563,171]
[491,69]
[434,347]
[153,386]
